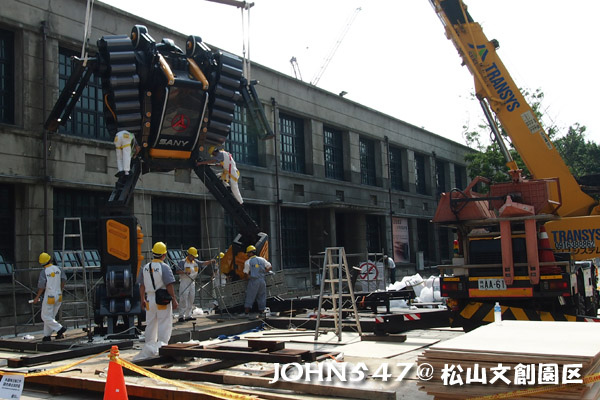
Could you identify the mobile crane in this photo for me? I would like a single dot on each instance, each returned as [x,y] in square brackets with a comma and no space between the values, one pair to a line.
[178,104]
[499,256]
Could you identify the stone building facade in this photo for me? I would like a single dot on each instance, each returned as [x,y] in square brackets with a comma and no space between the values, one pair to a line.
[336,174]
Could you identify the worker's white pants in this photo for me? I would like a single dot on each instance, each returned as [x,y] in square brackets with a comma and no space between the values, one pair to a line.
[187,294]
[159,324]
[235,190]
[123,148]
[49,312]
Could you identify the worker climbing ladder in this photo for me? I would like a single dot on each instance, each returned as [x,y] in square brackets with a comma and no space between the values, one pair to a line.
[75,306]
[336,274]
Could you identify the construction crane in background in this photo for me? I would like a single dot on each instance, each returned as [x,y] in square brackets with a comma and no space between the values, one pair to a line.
[319,74]
[296,68]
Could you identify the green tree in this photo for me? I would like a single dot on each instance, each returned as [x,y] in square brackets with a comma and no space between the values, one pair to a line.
[580,155]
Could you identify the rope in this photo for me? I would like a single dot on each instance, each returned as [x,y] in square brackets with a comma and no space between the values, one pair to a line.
[148,244]
[56,370]
[216,274]
[216,392]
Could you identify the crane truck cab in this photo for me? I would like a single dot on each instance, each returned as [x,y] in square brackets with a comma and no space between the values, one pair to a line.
[519,241]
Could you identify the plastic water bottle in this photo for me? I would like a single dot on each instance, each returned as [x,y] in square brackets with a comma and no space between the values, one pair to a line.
[497,313]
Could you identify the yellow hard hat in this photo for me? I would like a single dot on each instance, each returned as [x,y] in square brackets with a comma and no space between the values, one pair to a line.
[44,258]
[212,149]
[221,255]
[192,251]
[250,248]
[159,248]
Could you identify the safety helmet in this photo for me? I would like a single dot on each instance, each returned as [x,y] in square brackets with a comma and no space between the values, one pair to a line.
[44,258]
[212,149]
[250,248]
[159,248]
[192,251]
[221,255]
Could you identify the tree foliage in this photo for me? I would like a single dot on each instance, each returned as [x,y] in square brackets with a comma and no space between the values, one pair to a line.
[581,156]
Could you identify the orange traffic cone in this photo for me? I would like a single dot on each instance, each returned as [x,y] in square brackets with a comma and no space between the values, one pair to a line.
[545,253]
[115,381]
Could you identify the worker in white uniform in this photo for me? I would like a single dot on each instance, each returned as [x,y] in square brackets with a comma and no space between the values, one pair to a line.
[255,269]
[124,142]
[159,318]
[188,269]
[230,174]
[50,283]
[390,266]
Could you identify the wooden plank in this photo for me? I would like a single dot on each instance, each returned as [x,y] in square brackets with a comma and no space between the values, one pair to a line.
[270,345]
[36,359]
[22,345]
[182,345]
[187,375]
[387,339]
[306,355]
[530,338]
[144,392]
[216,365]
[245,349]
[149,362]
[465,357]
[222,329]
[323,390]
[230,355]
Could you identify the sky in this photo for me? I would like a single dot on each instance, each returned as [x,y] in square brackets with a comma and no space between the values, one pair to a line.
[396,59]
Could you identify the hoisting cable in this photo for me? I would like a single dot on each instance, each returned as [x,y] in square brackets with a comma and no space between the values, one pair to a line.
[216,274]
[87,31]
[246,40]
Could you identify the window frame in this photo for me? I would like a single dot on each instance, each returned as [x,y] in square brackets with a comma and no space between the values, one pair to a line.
[333,153]
[242,141]
[7,77]
[368,169]
[89,110]
[176,222]
[460,174]
[291,132]
[84,204]
[441,168]
[294,237]
[373,235]
[421,174]
[7,232]
[396,169]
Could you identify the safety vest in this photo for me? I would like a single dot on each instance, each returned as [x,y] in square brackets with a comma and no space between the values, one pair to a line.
[230,170]
[154,267]
[191,269]
[53,280]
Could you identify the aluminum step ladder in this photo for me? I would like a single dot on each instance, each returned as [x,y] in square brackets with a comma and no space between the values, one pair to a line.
[341,294]
[76,304]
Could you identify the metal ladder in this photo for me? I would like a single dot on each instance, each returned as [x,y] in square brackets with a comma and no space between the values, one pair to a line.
[75,307]
[336,273]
